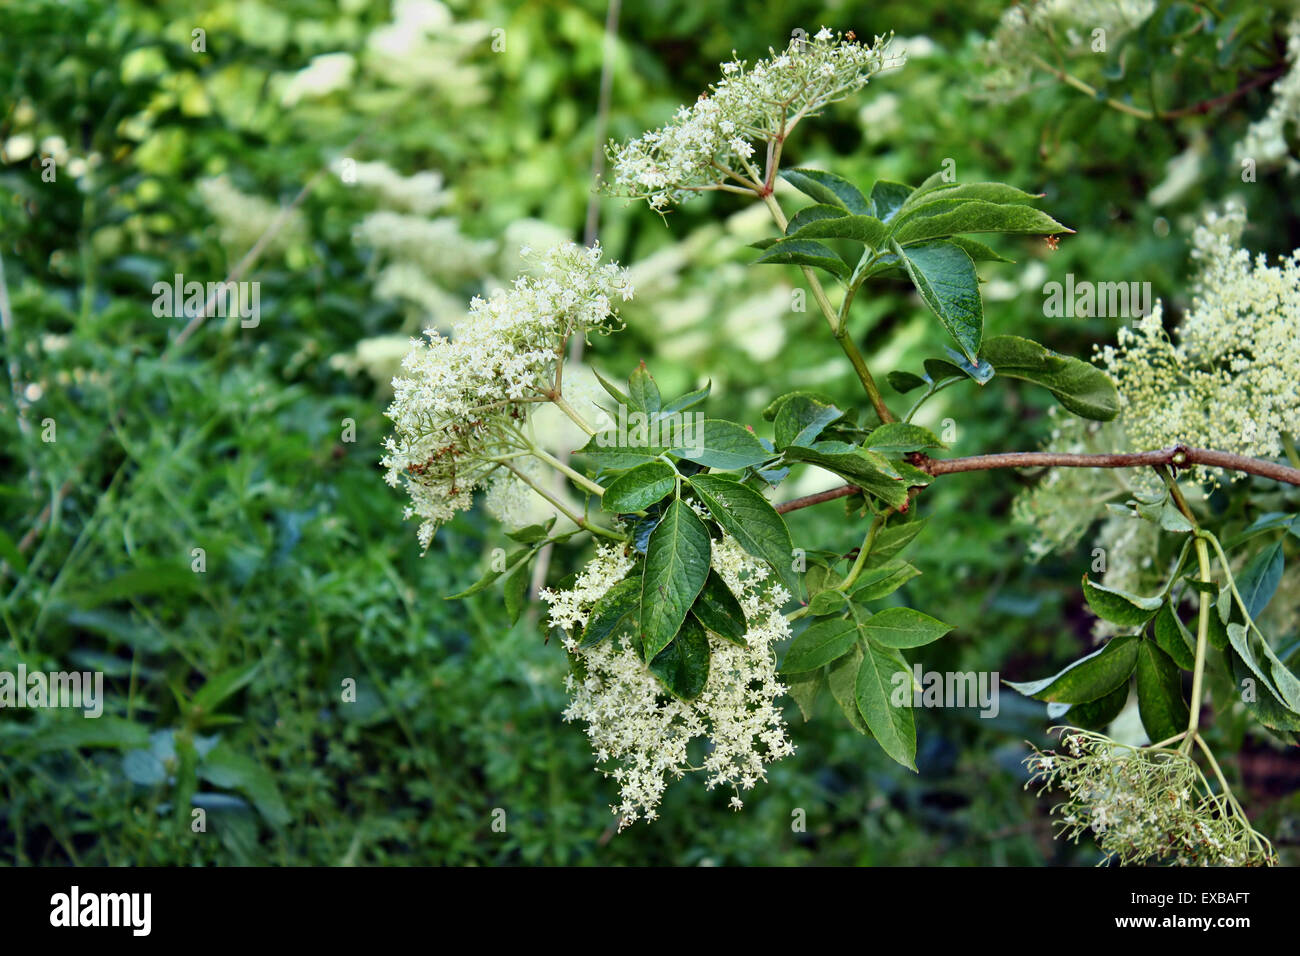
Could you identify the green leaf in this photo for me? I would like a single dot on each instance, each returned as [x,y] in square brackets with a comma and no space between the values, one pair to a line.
[829,189]
[515,594]
[811,214]
[533,533]
[1272,673]
[904,382]
[842,678]
[1095,714]
[717,443]
[1120,607]
[974,216]
[1160,693]
[1262,703]
[892,539]
[891,725]
[687,401]
[859,466]
[513,560]
[224,685]
[987,192]
[801,419]
[639,488]
[78,732]
[945,277]
[9,552]
[1258,581]
[616,607]
[804,688]
[225,768]
[824,641]
[878,582]
[977,250]
[903,627]
[898,438]
[718,610]
[1079,386]
[805,252]
[749,518]
[615,392]
[683,665]
[887,199]
[865,229]
[1174,639]
[643,393]
[1088,678]
[604,451]
[676,567]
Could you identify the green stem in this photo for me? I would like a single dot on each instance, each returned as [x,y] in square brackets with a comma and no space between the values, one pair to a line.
[576,477]
[577,519]
[863,552]
[569,410]
[839,325]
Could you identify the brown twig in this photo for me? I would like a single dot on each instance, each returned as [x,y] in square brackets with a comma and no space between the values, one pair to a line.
[1176,456]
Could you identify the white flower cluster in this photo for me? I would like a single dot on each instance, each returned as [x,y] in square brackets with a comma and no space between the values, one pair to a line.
[746,108]
[437,245]
[1067,26]
[420,193]
[1144,805]
[325,74]
[1265,140]
[460,402]
[644,733]
[1230,381]
[242,219]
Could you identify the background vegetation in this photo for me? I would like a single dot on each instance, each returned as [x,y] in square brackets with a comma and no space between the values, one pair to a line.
[223,687]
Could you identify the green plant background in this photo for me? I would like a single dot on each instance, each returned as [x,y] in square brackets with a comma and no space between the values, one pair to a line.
[223,687]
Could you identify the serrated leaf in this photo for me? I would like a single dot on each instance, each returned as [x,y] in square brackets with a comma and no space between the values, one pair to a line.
[876,583]
[1160,693]
[945,277]
[829,189]
[856,465]
[842,678]
[683,666]
[719,611]
[639,488]
[515,588]
[676,567]
[1095,714]
[975,216]
[717,443]
[1174,638]
[749,518]
[898,438]
[824,641]
[642,392]
[1120,607]
[864,229]
[1079,386]
[902,627]
[1088,678]
[801,419]
[977,250]
[615,608]
[892,539]
[533,533]
[891,725]
[605,452]
[805,252]
[804,688]
[887,199]
[1260,578]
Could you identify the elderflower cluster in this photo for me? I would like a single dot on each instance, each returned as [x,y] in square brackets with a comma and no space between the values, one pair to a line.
[1028,29]
[748,108]
[1265,140]
[420,193]
[460,402]
[243,219]
[640,735]
[1144,805]
[1229,383]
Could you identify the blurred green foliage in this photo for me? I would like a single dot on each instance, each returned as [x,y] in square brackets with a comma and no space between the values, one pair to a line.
[234,442]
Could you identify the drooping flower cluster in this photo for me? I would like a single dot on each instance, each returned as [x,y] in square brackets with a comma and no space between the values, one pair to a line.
[748,108]
[460,402]
[639,734]
[243,219]
[1266,140]
[1230,382]
[1144,805]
